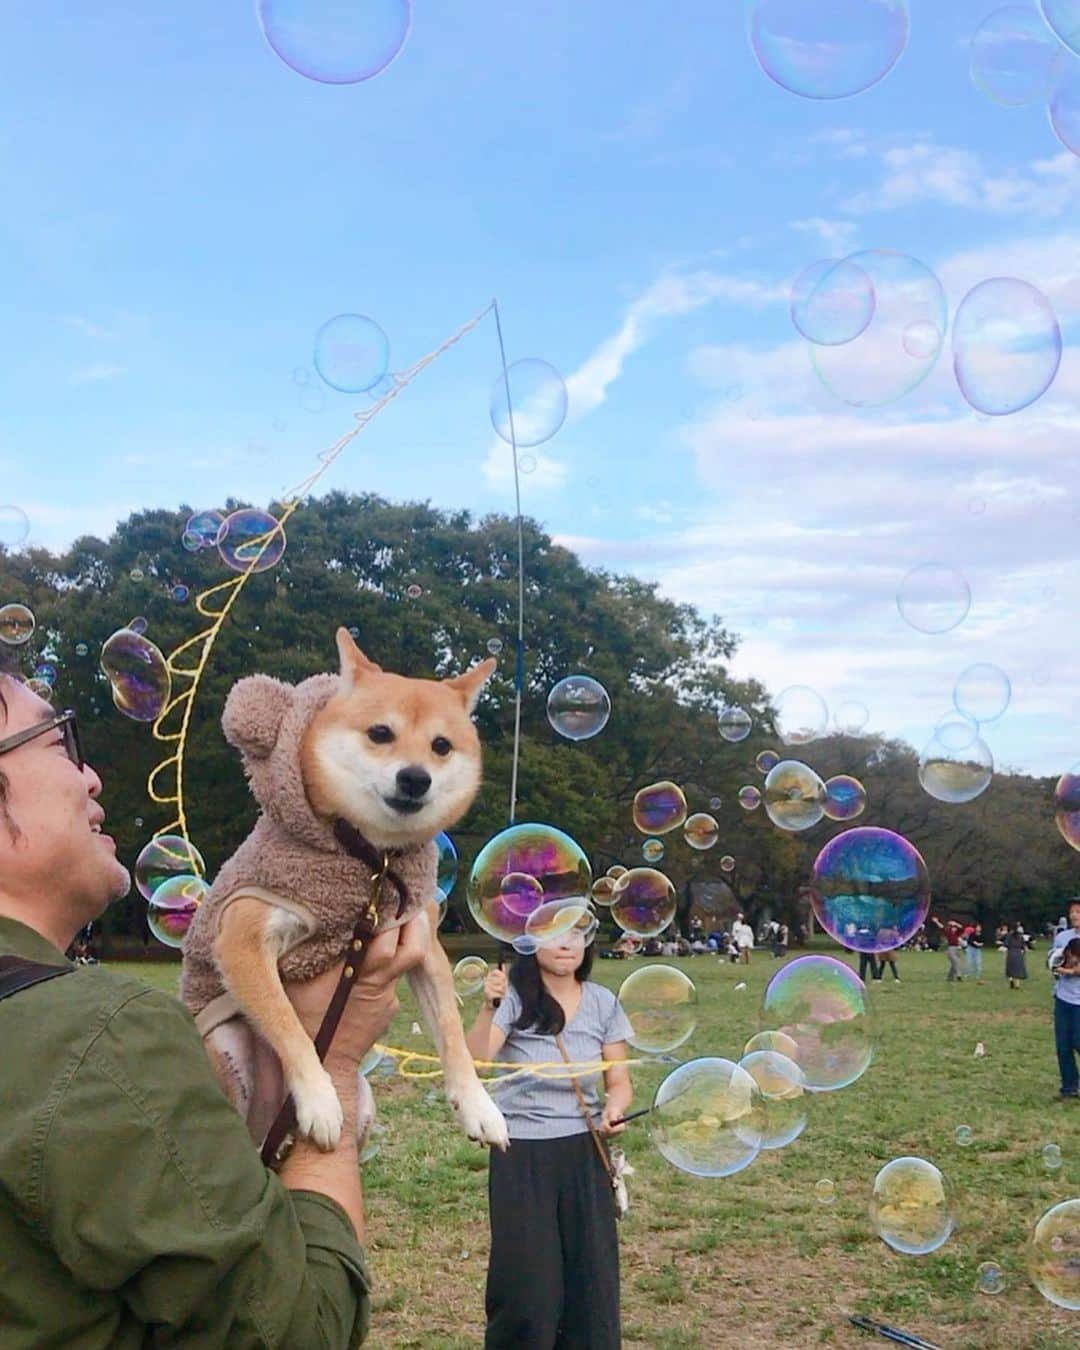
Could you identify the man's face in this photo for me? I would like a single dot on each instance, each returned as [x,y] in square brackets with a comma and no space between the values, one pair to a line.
[59,852]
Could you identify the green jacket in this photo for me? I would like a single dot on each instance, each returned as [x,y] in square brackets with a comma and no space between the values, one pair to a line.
[134,1210]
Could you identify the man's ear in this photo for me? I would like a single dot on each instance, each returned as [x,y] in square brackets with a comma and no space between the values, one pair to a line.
[354,664]
[253,714]
[470,684]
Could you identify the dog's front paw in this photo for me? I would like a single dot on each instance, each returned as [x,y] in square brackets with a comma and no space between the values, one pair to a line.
[480,1118]
[318,1111]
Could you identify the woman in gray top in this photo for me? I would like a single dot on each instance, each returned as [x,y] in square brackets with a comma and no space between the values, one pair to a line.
[553,1272]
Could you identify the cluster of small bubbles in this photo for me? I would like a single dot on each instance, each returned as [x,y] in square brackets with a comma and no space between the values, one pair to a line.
[820,1004]
[659,808]
[1051,1156]
[1065,111]
[1066,803]
[706,1118]
[1014,59]
[911,1206]
[825,1191]
[802,715]
[832,301]
[851,717]
[167,856]
[782,1112]
[1054,1255]
[964,1135]
[202,530]
[446,868]
[578,707]
[14,526]
[643,902]
[537,406]
[351,353]
[794,796]
[749,797]
[870,889]
[982,692]
[727,863]
[766,760]
[955,776]
[661,1005]
[527,463]
[652,850]
[701,831]
[603,890]
[251,540]
[989,1278]
[617,870]
[735,724]
[715,803]
[933,598]
[521,869]
[845,797]
[900,345]
[494,646]
[138,675]
[469,975]
[335,43]
[831,50]
[137,574]
[171,908]
[82,649]
[1006,346]
[181,594]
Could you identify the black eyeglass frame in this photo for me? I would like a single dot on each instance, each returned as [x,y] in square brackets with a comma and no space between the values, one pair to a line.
[64,722]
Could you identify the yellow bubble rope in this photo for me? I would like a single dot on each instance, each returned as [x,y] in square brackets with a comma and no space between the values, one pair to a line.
[555,1069]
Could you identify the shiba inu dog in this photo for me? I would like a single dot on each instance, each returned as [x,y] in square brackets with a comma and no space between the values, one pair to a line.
[394,759]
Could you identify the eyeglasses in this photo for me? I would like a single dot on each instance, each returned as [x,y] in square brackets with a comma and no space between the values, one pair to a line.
[63,722]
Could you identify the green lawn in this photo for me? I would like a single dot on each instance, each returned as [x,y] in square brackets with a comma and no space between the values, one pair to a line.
[754,1259]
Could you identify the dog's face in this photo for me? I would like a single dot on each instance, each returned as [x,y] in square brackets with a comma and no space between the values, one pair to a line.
[398,758]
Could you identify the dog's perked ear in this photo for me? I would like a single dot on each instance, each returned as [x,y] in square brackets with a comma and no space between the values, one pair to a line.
[253,714]
[470,684]
[354,664]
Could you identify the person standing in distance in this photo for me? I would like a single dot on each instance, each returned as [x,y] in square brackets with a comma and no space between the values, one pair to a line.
[1067,1005]
[743,936]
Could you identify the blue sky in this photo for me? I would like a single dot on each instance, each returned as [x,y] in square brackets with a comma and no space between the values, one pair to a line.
[184,211]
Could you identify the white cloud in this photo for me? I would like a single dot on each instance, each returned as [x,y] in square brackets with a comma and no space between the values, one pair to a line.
[836,236]
[86,326]
[96,372]
[547,473]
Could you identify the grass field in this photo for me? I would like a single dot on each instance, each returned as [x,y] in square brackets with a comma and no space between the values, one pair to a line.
[755,1259]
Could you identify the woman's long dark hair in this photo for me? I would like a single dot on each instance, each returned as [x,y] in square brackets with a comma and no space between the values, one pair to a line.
[539,1011]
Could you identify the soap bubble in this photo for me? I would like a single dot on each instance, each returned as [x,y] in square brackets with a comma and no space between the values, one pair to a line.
[794,796]
[556,920]
[845,797]
[14,526]
[955,776]
[870,889]
[335,41]
[825,1191]
[887,360]
[617,870]
[776,1041]
[351,353]
[603,891]
[1054,1255]
[820,1003]
[446,868]
[373,1142]
[706,1118]
[167,856]
[251,540]
[749,797]
[538,401]
[82,649]
[1006,346]
[801,715]
[768,759]
[46,672]
[203,530]
[1014,60]
[735,724]
[17,624]
[1063,16]
[172,907]
[643,902]
[701,831]
[982,692]
[956,730]
[1065,112]
[850,717]
[527,463]
[137,673]
[1067,806]
[989,1278]
[494,646]
[659,808]
[138,625]
[727,863]
[911,1206]
[137,574]
[832,301]
[469,975]
[42,688]
[715,803]
[783,1098]
[830,49]
[442,904]
[1051,1156]
[520,869]
[964,1135]
[414,592]
[933,598]
[661,1004]
[652,850]
[578,707]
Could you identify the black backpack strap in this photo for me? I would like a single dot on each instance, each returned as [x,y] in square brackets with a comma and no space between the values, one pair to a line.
[17,973]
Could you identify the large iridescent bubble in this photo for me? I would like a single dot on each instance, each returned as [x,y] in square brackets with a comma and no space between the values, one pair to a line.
[165,857]
[1067,806]
[1063,16]
[911,1206]
[643,902]
[1014,59]
[1065,111]
[659,808]
[351,353]
[138,675]
[446,869]
[251,540]
[1054,1255]
[933,598]
[1006,346]
[701,831]
[521,869]
[783,1096]
[820,1003]
[578,707]
[955,776]
[832,301]
[538,403]
[557,920]
[661,1004]
[794,796]
[171,908]
[336,41]
[830,48]
[706,1118]
[870,889]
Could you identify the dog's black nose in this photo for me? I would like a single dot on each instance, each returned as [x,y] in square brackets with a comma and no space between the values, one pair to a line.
[413,781]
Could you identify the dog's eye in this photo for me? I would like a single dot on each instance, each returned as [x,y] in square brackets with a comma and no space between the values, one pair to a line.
[441,745]
[381,735]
